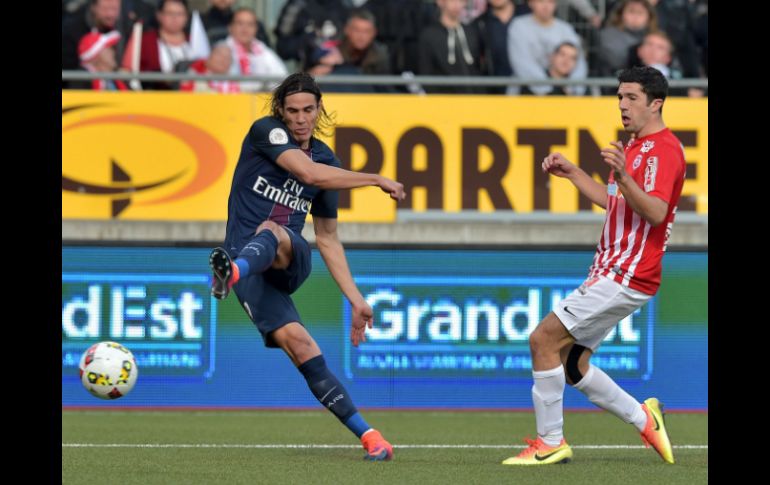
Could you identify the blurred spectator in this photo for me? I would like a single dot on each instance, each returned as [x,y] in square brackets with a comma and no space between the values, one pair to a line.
[657,51]
[359,47]
[166,49]
[562,63]
[250,55]
[217,20]
[97,54]
[358,53]
[533,38]
[677,19]
[627,25]
[399,24]
[218,62]
[82,16]
[492,28]
[472,9]
[305,27]
[449,48]
[583,7]
[99,15]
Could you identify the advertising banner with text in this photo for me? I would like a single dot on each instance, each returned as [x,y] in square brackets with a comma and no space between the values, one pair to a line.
[450,329]
[171,156]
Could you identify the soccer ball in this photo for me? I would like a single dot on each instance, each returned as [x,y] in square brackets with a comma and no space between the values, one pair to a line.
[108,370]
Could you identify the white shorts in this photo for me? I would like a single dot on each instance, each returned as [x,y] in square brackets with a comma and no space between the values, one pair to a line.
[591,312]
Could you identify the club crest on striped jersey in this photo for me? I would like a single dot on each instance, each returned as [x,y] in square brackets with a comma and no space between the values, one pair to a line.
[647,146]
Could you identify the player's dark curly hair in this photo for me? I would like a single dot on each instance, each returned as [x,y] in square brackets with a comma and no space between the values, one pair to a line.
[302,82]
[653,82]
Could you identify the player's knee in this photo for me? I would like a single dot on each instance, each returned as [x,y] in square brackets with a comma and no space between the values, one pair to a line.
[280,234]
[538,340]
[543,344]
[270,226]
[303,348]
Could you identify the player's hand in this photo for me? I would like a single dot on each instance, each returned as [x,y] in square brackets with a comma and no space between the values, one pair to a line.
[392,188]
[361,317]
[556,164]
[615,157]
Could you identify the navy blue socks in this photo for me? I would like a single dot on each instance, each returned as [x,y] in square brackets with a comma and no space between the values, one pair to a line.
[331,394]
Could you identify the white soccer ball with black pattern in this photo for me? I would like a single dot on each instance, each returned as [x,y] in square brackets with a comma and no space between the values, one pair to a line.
[108,370]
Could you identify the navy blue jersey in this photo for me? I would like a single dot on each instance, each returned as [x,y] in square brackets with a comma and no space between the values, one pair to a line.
[262,190]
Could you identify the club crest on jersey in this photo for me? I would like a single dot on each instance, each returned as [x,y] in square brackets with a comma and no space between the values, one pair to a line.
[278,136]
[637,161]
[647,146]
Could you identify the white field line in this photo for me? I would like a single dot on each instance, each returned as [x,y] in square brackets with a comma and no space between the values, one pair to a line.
[333,446]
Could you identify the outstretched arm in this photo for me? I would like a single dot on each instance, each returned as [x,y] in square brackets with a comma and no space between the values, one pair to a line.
[556,164]
[333,254]
[332,178]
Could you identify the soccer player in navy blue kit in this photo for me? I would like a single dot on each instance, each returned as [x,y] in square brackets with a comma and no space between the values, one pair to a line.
[283,173]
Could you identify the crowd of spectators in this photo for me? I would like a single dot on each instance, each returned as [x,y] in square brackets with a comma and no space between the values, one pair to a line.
[523,39]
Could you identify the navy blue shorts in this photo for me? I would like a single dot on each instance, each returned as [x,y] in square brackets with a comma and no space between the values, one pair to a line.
[265,296]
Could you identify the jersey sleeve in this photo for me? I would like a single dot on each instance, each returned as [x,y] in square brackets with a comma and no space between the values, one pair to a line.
[270,138]
[662,169]
[326,201]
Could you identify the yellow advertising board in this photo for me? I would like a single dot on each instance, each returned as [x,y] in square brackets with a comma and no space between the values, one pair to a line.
[171,156]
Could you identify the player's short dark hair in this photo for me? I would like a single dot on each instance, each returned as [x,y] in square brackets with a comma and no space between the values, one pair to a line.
[652,81]
[301,82]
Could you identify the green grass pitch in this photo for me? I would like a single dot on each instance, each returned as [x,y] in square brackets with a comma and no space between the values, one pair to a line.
[311,447]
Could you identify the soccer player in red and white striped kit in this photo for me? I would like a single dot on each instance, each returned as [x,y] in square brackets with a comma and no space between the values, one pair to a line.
[643,191]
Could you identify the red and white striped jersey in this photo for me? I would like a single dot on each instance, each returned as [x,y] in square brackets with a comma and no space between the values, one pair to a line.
[630,249]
